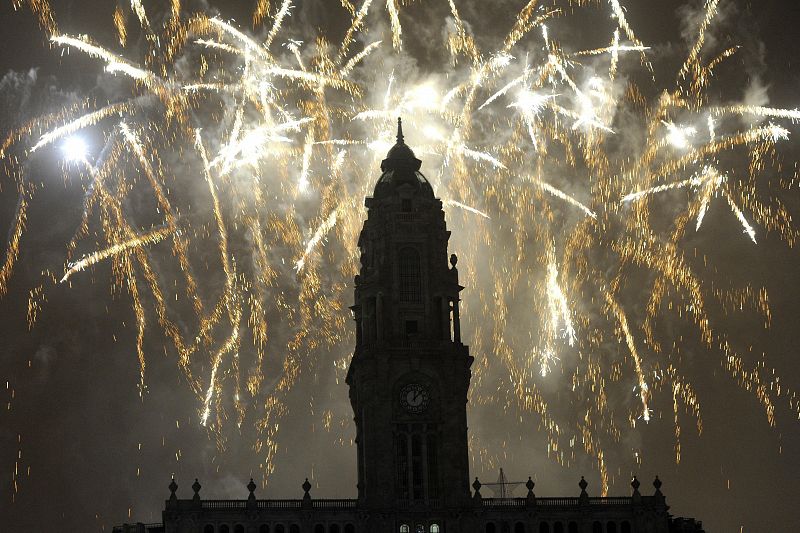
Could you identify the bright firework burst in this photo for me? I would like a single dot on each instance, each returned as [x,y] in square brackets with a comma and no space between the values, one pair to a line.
[284,138]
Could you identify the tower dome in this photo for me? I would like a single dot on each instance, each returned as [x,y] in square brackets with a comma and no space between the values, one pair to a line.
[401,167]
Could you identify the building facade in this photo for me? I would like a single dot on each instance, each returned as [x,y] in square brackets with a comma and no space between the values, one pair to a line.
[408,382]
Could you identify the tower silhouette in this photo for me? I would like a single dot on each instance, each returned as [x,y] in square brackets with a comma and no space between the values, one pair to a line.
[410,372]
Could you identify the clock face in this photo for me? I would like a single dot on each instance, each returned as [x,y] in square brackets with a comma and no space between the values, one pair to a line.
[414,398]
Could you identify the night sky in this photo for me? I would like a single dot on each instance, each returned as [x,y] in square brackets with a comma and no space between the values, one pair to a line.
[81,450]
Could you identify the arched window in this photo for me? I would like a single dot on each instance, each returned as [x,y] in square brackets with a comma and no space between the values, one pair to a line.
[294,528]
[417,469]
[435,528]
[224,529]
[505,527]
[333,528]
[279,528]
[558,527]
[208,529]
[238,528]
[519,527]
[410,276]
[611,527]
[544,527]
[349,528]
[626,527]
[573,527]
[597,527]
[319,528]
[263,529]
[405,529]
[402,471]
[416,461]
[490,527]
[419,529]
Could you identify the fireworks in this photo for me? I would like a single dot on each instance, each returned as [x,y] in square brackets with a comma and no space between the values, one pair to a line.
[261,148]
[91,259]
[75,149]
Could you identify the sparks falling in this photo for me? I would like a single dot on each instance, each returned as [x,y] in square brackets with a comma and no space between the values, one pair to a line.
[261,148]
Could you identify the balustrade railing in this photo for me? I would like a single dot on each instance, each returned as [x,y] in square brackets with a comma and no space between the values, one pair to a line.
[567,501]
[279,504]
[223,504]
[335,504]
[611,500]
[555,502]
[341,503]
[503,502]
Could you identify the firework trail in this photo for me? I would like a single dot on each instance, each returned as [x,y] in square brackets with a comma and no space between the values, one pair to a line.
[644,390]
[80,123]
[467,208]
[559,309]
[567,198]
[94,258]
[748,229]
[318,236]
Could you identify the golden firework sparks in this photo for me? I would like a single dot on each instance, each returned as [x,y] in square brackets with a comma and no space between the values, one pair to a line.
[286,134]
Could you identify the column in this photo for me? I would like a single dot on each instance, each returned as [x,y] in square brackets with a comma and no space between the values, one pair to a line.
[456,322]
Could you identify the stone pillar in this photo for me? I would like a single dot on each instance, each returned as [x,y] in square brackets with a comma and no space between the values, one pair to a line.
[359,329]
[445,314]
[583,499]
[172,503]
[357,313]
[252,504]
[306,504]
[196,486]
[456,318]
[660,508]
[477,499]
[456,322]
[379,320]
[530,498]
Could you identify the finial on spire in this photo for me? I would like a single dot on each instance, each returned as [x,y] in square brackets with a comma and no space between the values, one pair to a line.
[400,131]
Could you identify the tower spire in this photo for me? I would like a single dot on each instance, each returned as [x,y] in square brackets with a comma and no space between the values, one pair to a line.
[400,131]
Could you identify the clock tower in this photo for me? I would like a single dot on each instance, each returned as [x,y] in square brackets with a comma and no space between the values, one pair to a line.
[410,373]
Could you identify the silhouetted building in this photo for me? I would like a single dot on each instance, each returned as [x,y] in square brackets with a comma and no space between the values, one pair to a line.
[408,381]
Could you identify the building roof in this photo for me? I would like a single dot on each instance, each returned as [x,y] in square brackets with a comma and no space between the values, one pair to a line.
[401,167]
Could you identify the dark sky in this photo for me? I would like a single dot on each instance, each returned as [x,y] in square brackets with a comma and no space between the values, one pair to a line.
[79,448]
